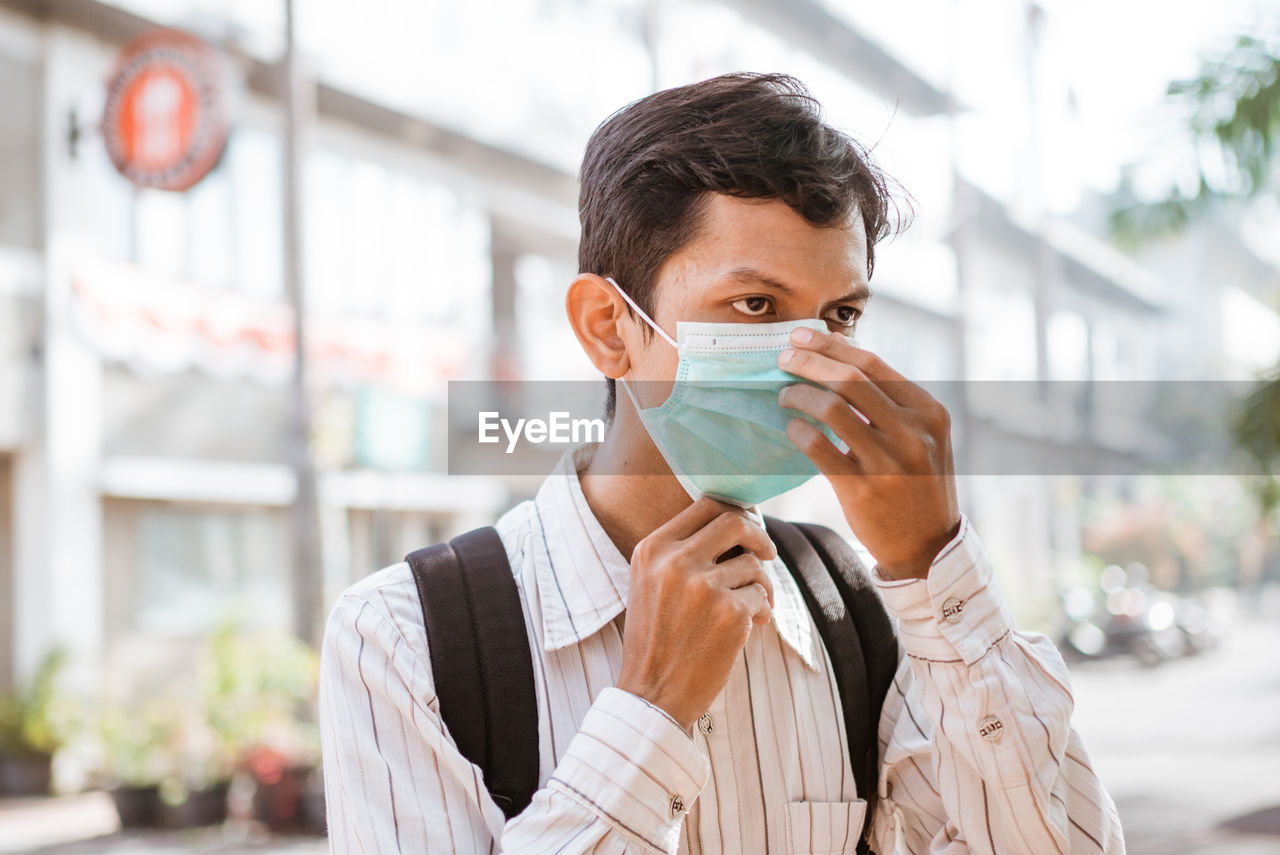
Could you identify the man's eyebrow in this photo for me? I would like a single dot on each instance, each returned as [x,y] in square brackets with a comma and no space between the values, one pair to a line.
[752,276]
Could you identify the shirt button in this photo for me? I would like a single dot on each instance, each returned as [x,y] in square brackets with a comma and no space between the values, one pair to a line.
[677,806]
[706,724]
[991,729]
[952,609]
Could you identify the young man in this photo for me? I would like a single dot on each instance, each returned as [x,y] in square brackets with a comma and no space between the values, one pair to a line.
[685,701]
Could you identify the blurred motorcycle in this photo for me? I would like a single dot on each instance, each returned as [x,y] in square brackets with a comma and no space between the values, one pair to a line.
[1131,620]
[1201,628]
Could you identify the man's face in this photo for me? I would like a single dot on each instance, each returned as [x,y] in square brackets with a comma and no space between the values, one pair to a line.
[753,261]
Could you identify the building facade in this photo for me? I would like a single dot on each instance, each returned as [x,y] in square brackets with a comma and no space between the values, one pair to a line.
[146,339]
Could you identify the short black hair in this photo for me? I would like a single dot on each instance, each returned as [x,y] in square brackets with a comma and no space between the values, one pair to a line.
[648,169]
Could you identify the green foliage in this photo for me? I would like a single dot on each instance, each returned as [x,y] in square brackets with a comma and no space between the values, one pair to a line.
[1235,110]
[1234,105]
[133,742]
[249,691]
[1237,105]
[1133,223]
[31,715]
[258,688]
[1256,430]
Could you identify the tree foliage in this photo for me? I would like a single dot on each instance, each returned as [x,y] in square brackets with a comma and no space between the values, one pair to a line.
[1234,121]
[1234,109]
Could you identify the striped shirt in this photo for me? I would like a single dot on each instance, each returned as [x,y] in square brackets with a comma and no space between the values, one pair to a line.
[977,751]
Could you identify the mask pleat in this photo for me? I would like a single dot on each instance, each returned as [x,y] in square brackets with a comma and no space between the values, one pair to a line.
[722,429]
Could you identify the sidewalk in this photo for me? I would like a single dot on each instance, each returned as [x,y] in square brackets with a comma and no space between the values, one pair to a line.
[1190,751]
[86,824]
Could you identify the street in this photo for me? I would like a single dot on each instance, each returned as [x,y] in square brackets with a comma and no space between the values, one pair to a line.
[1190,750]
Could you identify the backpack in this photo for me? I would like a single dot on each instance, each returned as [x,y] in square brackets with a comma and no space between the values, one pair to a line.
[483,666]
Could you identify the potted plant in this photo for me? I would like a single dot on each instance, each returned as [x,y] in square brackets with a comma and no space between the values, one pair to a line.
[134,746]
[199,766]
[259,690]
[30,730]
[283,766]
[313,804]
[164,766]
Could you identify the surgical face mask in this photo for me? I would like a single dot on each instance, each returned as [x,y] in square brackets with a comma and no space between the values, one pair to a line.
[722,430]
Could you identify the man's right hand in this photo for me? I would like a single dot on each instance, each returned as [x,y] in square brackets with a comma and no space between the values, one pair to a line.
[688,616]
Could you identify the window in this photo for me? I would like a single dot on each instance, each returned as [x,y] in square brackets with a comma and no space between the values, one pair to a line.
[388,243]
[196,566]
[209,260]
[254,158]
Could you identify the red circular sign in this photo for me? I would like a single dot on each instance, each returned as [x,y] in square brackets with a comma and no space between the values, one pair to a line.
[165,122]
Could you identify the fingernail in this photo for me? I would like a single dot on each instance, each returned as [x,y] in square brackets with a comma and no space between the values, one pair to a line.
[803,335]
[786,356]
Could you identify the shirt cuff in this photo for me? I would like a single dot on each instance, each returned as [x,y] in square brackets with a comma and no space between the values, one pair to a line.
[956,614]
[635,766]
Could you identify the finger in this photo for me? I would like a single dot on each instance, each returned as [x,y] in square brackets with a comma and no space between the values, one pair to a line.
[844,379]
[838,347]
[865,443]
[754,600]
[690,520]
[815,445]
[727,530]
[741,571]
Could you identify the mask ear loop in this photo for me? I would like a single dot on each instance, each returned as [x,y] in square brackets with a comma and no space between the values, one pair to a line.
[626,385]
[641,312]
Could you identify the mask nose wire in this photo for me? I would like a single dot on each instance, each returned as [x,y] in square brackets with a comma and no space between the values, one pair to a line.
[632,303]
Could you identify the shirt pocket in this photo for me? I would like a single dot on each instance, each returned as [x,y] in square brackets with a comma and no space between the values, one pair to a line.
[824,828]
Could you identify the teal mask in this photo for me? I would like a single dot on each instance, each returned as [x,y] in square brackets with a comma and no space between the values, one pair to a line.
[722,430]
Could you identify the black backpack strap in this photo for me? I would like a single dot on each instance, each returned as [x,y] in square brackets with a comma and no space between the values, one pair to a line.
[835,586]
[481,660]
[875,629]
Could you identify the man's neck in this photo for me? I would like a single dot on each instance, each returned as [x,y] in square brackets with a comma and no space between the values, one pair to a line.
[619,485]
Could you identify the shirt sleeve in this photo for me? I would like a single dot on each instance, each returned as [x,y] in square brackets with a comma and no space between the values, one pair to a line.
[395,781]
[978,752]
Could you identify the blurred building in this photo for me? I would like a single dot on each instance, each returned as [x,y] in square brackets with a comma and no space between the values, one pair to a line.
[145,341]
[147,346]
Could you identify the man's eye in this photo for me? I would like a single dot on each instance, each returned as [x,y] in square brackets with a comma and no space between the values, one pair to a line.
[845,316]
[752,305]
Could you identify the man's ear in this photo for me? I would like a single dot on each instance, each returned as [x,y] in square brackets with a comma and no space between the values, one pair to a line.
[595,310]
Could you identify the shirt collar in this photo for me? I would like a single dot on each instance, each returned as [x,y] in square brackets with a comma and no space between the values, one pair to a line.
[583,583]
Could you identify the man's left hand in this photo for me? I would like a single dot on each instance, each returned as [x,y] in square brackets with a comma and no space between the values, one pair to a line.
[896,483]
